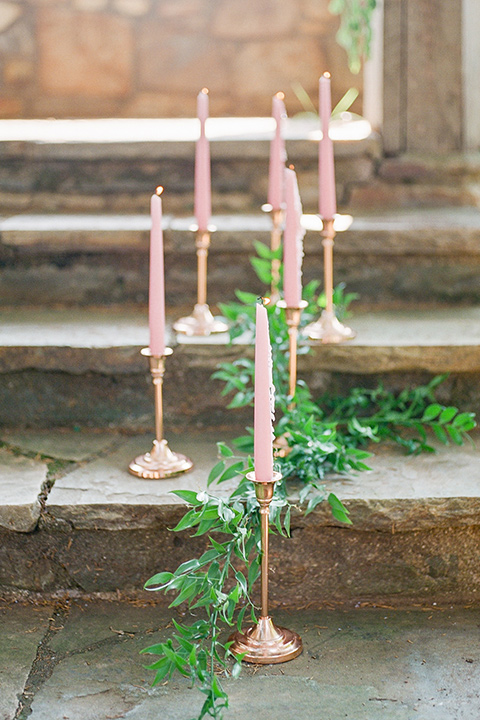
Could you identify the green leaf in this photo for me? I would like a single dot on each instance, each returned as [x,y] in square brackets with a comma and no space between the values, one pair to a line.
[190,519]
[339,511]
[431,412]
[236,669]
[465,421]
[241,615]
[190,496]
[187,566]
[447,414]
[217,689]
[159,579]
[188,590]
[253,572]
[232,471]
[455,435]
[161,673]
[215,472]
[240,577]
[224,450]
[286,521]
[262,269]
[440,433]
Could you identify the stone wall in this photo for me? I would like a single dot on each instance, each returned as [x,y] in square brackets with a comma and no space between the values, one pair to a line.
[149,58]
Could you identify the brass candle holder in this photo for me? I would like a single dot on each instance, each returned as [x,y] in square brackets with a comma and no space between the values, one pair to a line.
[201,322]
[160,462]
[265,643]
[275,242]
[292,316]
[328,329]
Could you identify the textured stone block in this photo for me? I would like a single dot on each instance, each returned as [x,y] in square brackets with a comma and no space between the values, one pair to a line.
[9,13]
[133,8]
[89,54]
[251,19]
[267,67]
[182,61]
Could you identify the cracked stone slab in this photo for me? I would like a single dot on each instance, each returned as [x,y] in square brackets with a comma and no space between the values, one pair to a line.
[368,664]
[74,446]
[21,629]
[103,494]
[21,481]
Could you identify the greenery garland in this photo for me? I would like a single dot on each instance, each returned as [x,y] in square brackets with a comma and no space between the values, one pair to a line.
[325,436]
[355,32]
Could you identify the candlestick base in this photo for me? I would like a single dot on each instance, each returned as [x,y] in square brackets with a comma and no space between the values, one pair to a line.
[265,643]
[200,322]
[328,329]
[159,463]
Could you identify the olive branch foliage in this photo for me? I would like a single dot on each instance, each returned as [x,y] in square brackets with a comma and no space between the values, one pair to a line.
[329,435]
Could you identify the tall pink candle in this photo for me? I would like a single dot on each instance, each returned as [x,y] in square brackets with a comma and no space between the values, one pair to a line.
[156,294]
[292,242]
[326,168]
[278,155]
[203,190]
[264,400]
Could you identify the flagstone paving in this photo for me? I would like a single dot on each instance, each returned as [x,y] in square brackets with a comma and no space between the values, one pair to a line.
[376,663]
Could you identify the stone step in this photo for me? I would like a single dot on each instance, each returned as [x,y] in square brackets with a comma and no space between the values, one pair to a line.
[415,529]
[114,165]
[416,180]
[390,258]
[82,367]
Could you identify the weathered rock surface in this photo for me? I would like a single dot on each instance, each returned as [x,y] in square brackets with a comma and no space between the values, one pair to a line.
[22,628]
[21,481]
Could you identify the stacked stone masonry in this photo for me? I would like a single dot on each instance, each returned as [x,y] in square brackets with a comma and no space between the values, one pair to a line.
[149,58]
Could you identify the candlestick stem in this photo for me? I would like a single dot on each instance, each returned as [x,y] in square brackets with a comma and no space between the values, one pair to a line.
[265,643]
[264,520]
[327,242]
[201,322]
[328,329]
[160,462]
[293,316]
[157,370]
[275,243]
[292,359]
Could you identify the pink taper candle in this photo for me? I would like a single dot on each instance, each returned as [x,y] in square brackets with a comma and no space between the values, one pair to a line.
[264,400]
[278,155]
[292,242]
[203,190]
[326,168]
[156,295]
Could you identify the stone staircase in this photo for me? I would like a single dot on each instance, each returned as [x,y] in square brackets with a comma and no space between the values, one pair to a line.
[76,398]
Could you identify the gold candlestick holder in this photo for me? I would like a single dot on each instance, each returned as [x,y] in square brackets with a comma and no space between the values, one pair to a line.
[275,243]
[265,643]
[160,462]
[328,329]
[292,316]
[201,322]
